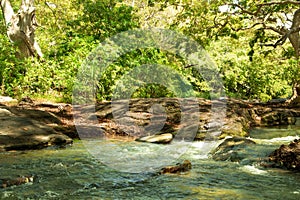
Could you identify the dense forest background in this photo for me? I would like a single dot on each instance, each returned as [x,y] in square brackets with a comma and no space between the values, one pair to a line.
[242,37]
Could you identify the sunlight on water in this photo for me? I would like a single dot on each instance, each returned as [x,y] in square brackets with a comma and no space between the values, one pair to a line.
[136,157]
[253,170]
[278,141]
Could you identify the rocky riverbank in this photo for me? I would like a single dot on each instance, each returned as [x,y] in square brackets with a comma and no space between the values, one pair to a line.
[32,125]
[239,117]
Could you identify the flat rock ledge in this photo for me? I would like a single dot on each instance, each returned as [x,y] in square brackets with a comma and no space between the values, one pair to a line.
[239,117]
[24,129]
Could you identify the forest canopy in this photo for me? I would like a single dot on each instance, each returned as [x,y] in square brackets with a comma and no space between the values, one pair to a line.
[254,44]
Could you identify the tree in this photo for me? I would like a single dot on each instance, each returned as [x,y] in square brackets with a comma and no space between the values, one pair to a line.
[271,25]
[275,23]
[21,27]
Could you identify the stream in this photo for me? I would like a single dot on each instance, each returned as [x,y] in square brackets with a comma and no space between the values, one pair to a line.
[74,173]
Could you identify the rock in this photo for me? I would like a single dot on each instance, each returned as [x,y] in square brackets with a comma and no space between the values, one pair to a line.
[213,125]
[22,129]
[280,100]
[25,100]
[231,149]
[287,156]
[280,117]
[240,116]
[5,113]
[233,128]
[159,139]
[179,168]
[59,140]
[17,181]
[5,99]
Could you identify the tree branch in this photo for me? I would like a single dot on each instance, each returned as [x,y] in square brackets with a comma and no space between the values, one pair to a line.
[260,5]
[281,32]
[279,3]
[243,9]
[245,28]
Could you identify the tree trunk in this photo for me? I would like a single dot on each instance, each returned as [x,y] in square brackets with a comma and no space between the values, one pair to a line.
[21,27]
[295,98]
[294,38]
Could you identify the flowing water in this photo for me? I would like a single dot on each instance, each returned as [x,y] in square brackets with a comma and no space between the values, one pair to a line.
[73,173]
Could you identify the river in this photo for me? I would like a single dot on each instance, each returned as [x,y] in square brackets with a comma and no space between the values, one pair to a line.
[74,173]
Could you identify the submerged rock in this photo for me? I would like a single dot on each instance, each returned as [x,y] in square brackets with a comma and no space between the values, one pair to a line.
[287,156]
[184,167]
[231,149]
[159,139]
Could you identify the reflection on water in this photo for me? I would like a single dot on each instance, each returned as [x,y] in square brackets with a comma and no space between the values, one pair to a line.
[73,173]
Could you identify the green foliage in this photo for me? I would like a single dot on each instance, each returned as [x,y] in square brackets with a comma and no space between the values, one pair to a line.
[102,18]
[11,72]
[264,77]
[69,31]
[152,73]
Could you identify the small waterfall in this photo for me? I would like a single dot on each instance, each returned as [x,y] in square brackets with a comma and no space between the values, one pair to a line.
[202,149]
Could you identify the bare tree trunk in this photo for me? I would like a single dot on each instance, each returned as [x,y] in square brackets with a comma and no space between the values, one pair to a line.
[295,41]
[21,27]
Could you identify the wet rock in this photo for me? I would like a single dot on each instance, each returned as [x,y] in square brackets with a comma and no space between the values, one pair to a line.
[234,128]
[231,149]
[178,168]
[17,181]
[213,125]
[287,156]
[159,139]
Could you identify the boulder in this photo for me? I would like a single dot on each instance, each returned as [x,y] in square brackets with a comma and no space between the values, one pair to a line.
[159,139]
[231,149]
[287,156]
[233,128]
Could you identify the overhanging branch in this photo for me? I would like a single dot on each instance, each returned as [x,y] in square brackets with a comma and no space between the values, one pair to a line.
[279,3]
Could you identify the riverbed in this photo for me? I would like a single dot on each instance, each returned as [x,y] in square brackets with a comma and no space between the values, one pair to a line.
[75,172]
